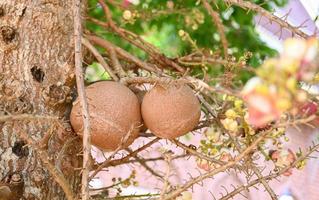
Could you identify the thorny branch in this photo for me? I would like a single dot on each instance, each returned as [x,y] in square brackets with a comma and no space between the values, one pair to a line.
[247,5]
[254,169]
[83,101]
[271,176]
[99,58]
[219,24]
[138,41]
[264,182]
[211,173]
[123,142]
[168,159]
[134,153]
[142,162]
[122,161]
[122,53]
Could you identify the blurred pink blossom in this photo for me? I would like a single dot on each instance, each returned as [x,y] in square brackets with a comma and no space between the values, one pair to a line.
[262,105]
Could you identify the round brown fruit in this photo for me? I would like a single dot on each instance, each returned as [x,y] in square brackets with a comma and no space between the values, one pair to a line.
[170,111]
[114,112]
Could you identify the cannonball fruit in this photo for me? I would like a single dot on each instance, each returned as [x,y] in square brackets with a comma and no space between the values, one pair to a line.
[114,112]
[170,111]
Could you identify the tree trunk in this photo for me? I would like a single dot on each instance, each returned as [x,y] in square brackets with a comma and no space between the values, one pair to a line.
[36,78]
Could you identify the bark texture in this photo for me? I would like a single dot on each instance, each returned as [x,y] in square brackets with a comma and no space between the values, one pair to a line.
[36,78]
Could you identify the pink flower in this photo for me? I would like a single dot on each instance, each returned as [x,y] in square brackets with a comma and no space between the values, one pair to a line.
[261,109]
[303,51]
[262,103]
[299,54]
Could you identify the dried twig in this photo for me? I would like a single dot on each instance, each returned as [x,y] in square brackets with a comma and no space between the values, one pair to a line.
[121,52]
[134,153]
[99,58]
[194,60]
[196,153]
[121,145]
[282,23]
[168,159]
[190,183]
[152,80]
[115,62]
[137,41]
[142,162]
[219,24]
[264,182]
[81,92]
[269,177]
[122,161]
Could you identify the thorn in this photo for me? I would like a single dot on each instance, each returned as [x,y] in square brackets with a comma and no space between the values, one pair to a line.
[285,17]
[225,189]
[258,23]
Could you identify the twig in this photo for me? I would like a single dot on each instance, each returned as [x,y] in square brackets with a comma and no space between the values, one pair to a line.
[133,196]
[264,182]
[219,24]
[134,153]
[152,80]
[199,84]
[269,177]
[196,153]
[207,106]
[121,52]
[191,60]
[116,63]
[126,158]
[217,170]
[142,162]
[282,23]
[137,41]
[121,145]
[80,87]
[122,161]
[168,159]
[99,58]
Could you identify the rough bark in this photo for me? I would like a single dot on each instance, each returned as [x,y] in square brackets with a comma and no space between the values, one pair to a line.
[37,78]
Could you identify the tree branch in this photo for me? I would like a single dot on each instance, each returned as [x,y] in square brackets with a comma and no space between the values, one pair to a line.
[134,153]
[82,97]
[269,177]
[217,170]
[99,58]
[219,24]
[137,41]
[121,52]
[282,23]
